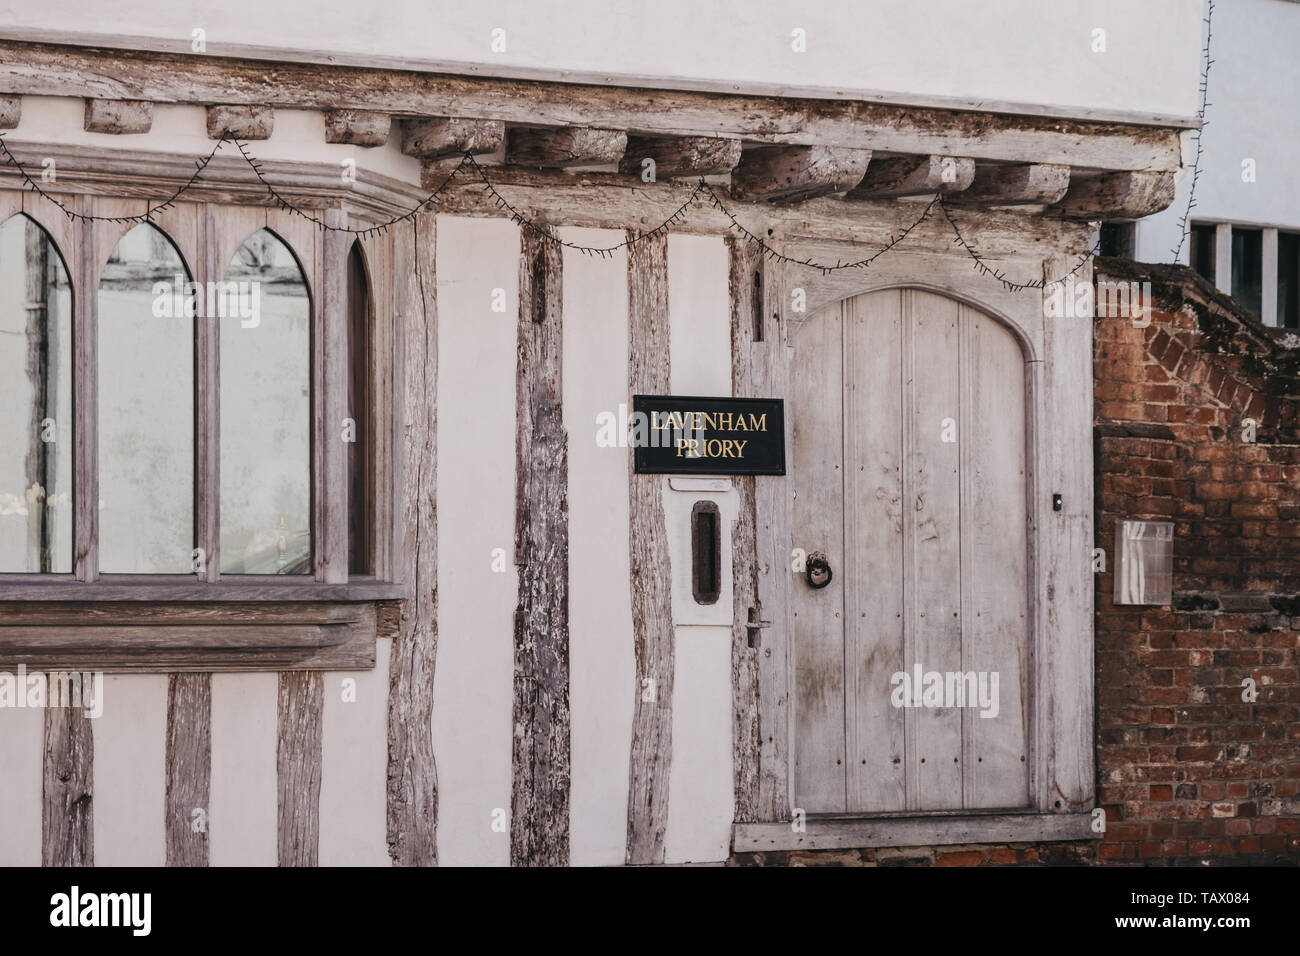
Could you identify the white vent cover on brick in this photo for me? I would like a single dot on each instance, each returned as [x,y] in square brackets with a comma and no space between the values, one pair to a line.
[1144,562]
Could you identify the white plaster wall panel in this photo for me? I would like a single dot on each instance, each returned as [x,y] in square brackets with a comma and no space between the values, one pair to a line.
[1024,51]
[130,771]
[22,738]
[473,685]
[297,135]
[602,662]
[701,800]
[1253,114]
[699,315]
[242,818]
[701,796]
[354,766]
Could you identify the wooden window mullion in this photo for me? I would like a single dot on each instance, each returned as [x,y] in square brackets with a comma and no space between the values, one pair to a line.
[330,383]
[85,401]
[207,407]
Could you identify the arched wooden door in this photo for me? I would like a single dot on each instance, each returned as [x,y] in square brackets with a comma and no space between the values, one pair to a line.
[909,463]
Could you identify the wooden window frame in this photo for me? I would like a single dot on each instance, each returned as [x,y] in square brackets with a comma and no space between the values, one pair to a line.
[207,621]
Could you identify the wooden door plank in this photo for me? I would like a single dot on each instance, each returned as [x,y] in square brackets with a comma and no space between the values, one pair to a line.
[873,561]
[931,505]
[995,623]
[818,389]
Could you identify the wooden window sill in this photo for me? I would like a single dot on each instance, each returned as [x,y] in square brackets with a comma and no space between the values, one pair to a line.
[844,833]
[150,627]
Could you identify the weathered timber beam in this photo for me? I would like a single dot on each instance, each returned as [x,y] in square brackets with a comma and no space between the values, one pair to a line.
[440,137]
[1129,195]
[680,156]
[118,116]
[539,803]
[565,146]
[796,173]
[11,111]
[1034,183]
[914,176]
[244,122]
[42,69]
[357,127]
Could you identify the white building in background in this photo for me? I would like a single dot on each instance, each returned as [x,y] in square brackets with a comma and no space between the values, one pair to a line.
[1246,221]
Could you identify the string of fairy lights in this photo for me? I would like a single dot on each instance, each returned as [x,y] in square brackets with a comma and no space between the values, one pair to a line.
[703,192]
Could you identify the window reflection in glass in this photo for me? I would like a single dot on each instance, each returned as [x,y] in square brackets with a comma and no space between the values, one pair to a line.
[146,409]
[36,410]
[265,412]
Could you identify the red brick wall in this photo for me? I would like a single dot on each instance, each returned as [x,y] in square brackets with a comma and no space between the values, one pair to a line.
[1187,770]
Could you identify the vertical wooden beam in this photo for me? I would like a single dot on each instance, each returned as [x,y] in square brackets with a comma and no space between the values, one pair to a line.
[207,407]
[539,816]
[412,776]
[85,405]
[189,767]
[298,763]
[647,813]
[772,531]
[330,346]
[67,806]
[746,641]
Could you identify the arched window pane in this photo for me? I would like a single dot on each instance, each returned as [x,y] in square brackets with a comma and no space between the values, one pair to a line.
[265,412]
[146,408]
[36,411]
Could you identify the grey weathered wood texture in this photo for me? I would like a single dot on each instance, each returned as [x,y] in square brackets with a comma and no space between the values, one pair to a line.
[11,111]
[652,726]
[357,127]
[796,173]
[539,814]
[188,767]
[1018,184]
[681,156]
[329,473]
[412,775]
[67,789]
[745,292]
[818,465]
[85,400]
[298,767]
[564,146]
[873,559]
[914,176]
[451,136]
[118,116]
[772,530]
[243,122]
[935,830]
[1128,195]
[56,70]
[1063,721]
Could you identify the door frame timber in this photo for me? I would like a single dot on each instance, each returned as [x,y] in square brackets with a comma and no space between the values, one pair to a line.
[1060,675]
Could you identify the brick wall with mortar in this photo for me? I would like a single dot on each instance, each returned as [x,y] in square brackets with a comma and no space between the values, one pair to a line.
[1198,423]
[1187,771]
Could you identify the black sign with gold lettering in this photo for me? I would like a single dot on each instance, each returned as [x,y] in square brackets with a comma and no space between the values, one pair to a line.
[683,435]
